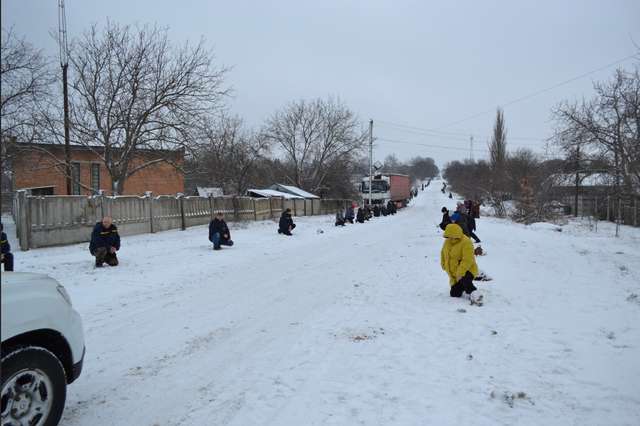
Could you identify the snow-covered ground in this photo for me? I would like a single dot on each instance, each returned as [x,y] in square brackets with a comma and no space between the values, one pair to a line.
[355,326]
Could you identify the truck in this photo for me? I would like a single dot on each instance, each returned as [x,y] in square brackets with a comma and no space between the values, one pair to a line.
[386,187]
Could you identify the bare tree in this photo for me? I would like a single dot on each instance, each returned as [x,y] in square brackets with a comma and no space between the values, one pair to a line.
[498,160]
[227,155]
[312,135]
[132,90]
[609,125]
[25,82]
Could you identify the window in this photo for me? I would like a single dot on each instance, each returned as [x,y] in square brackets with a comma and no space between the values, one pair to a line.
[95,178]
[75,178]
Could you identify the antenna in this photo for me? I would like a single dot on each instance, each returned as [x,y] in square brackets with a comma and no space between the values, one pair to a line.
[62,35]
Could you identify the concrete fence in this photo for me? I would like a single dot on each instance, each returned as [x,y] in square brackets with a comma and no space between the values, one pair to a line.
[43,221]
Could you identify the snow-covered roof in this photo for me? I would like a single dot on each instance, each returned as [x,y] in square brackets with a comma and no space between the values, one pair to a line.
[209,191]
[594,179]
[268,193]
[293,190]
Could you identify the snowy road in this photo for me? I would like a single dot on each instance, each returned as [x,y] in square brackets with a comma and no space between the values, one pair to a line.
[355,326]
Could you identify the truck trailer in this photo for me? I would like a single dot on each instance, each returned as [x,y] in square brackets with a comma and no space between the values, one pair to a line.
[386,187]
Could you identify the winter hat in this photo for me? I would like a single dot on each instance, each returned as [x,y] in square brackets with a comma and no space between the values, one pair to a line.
[444,210]
[455,217]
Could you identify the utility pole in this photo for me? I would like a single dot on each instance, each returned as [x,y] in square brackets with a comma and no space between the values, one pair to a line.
[471,148]
[370,158]
[575,201]
[64,63]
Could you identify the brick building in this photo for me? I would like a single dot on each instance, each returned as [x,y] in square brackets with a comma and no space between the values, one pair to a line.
[40,168]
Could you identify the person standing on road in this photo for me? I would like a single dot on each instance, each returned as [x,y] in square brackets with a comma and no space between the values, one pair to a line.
[458,219]
[286,224]
[105,242]
[219,233]
[6,257]
[459,262]
[445,218]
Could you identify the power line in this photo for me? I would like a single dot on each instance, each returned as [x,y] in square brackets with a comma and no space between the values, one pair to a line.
[428,132]
[539,92]
[426,144]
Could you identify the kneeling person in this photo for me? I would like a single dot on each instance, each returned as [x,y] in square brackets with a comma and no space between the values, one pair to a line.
[458,261]
[6,257]
[219,232]
[105,242]
[286,225]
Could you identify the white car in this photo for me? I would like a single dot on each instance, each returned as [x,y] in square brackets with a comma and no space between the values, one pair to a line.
[42,348]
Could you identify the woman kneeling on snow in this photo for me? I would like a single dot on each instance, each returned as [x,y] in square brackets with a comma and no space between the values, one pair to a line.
[458,261]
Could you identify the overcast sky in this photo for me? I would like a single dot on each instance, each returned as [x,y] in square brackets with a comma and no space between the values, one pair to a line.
[424,64]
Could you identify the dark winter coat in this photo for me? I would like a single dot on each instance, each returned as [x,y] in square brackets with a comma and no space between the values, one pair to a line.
[459,219]
[285,222]
[219,226]
[360,215]
[445,220]
[104,237]
[471,222]
[349,215]
[4,243]
[376,211]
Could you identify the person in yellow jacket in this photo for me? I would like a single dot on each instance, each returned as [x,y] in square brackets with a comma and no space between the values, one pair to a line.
[458,261]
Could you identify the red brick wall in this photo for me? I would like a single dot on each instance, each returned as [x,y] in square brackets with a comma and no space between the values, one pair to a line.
[33,168]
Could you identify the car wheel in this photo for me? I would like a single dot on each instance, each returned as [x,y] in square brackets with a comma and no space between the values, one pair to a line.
[34,387]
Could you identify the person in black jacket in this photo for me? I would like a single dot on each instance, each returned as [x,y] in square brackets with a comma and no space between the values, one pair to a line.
[445,218]
[391,207]
[6,257]
[286,224]
[219,233]
[105,242]
[349,214]
[360,215]
[376,210]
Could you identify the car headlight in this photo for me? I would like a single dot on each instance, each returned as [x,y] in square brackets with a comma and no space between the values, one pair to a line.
[64,294]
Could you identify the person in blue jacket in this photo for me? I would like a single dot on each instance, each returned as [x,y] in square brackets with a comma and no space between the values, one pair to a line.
[105,242]
[219,232]
[7,256]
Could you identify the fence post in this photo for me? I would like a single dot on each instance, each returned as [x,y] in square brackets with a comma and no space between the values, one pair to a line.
[270,207]
[236,205]
[183,219]
[255,212]
[149,195]
[608,209]
[597,215]
[24,228]
[282,204]
[212,214]
[312,206]
[635,212]
[305,206]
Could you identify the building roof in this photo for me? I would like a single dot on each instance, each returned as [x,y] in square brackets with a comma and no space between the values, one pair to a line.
[268,193]
[293,190]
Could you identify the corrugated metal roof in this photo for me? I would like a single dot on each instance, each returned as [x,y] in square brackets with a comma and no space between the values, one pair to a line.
[268,193]
[295,190]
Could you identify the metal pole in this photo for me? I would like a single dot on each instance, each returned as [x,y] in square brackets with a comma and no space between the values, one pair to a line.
[67,143]
[64,63]
[471,148]
[370,157]
[575,203]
